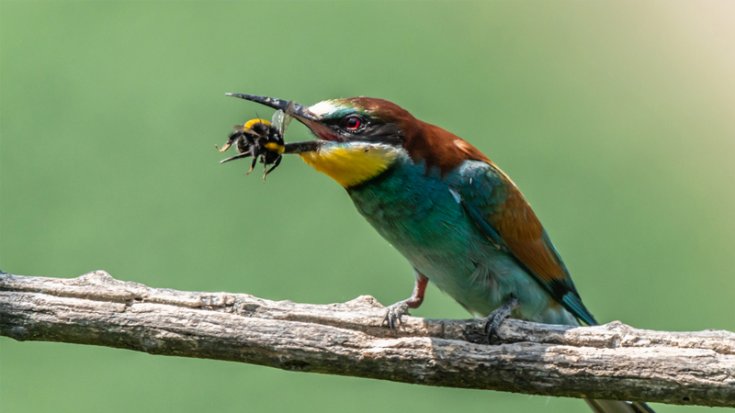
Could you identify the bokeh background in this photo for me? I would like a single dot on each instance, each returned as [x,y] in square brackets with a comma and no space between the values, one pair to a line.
[614,117]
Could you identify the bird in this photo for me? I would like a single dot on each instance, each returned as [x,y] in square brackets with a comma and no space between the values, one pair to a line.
[459,220]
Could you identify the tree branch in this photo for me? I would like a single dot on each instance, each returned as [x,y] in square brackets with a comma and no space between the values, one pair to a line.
[613,361]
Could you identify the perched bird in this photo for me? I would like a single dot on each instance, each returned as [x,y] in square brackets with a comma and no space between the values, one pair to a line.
[456,216]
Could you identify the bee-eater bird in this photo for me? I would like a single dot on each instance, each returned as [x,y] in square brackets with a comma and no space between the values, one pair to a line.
[456,216]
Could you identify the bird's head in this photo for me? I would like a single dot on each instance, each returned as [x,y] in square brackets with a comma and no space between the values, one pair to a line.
[359,138]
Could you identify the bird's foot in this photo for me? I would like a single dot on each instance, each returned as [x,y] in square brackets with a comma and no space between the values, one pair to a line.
[393,315]
[497,317]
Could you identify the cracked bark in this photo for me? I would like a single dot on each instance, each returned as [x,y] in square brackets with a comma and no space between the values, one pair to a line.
[612,361]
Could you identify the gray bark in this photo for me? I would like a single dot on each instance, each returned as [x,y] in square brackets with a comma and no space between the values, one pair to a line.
[612,361]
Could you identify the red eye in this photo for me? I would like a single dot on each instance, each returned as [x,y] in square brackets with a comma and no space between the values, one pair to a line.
[352,123]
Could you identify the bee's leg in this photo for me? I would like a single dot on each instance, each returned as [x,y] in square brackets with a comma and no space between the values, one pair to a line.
[231,138]
[255,161]
[238,156]
[275,165]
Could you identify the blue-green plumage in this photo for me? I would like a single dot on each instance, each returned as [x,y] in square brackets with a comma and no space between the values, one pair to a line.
[418,213]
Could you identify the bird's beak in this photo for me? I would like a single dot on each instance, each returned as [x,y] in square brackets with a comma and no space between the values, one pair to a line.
[296,110]
[290,107]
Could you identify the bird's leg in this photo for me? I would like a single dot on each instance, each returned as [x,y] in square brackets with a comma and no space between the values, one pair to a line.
[397,310]
[496,318]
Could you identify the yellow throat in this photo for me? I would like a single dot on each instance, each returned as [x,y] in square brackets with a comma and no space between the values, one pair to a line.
[353,163]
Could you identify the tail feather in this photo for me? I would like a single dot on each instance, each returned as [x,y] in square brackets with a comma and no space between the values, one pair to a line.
[615,406]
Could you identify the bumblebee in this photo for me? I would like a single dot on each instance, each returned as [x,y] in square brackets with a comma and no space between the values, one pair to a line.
[260,138]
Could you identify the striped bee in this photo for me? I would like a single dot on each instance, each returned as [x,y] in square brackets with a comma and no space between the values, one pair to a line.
[260,138]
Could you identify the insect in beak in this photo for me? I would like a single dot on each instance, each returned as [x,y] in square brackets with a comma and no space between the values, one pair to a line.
[261,139]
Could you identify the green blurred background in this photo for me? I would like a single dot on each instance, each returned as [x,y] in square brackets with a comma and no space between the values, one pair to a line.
[615,118]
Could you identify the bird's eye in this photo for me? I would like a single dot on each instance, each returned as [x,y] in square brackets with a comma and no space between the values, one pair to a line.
[352,123]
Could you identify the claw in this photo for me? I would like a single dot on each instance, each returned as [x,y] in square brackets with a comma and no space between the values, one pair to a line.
[496,318]
[393,315]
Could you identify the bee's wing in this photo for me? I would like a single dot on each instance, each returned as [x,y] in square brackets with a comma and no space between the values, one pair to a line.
[277,120]
[287,117]
[281,119]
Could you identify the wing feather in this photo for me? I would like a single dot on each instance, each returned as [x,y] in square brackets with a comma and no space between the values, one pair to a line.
[506,218]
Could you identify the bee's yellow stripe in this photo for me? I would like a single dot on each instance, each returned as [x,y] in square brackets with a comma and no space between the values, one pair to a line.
[275,147]
[249,124]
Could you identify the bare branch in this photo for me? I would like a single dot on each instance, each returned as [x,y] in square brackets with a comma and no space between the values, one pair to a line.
[613,361]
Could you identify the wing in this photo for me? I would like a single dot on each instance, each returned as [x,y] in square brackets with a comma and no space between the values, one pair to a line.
[281,119]
[497,207]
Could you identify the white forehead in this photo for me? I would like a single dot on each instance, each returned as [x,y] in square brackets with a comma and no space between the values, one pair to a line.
[324,107]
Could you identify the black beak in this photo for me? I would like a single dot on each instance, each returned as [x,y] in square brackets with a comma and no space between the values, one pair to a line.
[291,108]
